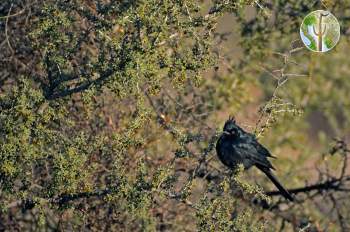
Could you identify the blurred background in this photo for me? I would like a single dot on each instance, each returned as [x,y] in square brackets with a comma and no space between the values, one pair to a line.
[110,111]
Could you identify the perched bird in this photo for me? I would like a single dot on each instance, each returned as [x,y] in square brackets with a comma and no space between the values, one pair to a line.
[236,146]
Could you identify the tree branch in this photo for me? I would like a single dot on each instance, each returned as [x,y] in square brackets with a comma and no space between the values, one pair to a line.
[333,184]
[62,199]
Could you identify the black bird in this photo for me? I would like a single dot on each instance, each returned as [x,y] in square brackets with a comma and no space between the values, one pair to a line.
[236,146]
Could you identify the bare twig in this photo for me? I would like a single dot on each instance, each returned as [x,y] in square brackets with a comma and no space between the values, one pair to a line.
[334,184]
[13,15]
[6,30]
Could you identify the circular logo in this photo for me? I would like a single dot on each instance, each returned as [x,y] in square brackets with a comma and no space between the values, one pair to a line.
[320,31]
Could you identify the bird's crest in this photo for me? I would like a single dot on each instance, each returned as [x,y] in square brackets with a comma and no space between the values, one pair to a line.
[231,118]
[230,123]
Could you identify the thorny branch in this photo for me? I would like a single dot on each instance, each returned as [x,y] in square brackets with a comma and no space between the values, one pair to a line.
[281,77]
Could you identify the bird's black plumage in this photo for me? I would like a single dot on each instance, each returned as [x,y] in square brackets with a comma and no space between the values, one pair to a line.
[236,146]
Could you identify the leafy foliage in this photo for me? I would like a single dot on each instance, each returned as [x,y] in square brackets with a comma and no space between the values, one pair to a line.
[110,111]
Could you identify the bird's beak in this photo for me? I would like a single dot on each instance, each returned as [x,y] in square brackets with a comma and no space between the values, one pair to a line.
[226,133]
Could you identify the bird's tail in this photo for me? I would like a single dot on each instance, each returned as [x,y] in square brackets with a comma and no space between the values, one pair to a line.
[274,180]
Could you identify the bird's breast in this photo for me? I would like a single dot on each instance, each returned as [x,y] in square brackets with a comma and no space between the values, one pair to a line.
[231,153]
[227,153]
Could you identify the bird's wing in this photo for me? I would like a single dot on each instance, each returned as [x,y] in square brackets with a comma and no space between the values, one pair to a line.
[250,138]
[262,150]
[256,153]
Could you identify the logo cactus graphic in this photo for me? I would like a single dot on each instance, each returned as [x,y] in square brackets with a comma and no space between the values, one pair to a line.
[320,31]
